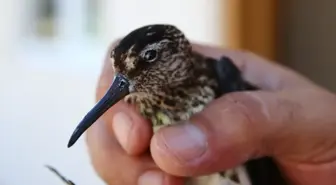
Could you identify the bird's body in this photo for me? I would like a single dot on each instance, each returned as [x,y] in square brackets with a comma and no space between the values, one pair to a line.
[169,104]
[169,82]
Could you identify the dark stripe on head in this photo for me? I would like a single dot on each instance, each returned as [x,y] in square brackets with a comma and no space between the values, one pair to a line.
[140,38]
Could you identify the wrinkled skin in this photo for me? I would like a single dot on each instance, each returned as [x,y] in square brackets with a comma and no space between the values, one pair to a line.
[291,119]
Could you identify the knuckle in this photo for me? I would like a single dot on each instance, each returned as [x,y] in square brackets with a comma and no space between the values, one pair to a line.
[241,103]
[249,109]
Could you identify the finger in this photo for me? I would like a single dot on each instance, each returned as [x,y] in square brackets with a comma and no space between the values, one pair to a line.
[114,166]
[266,74]
[110,161]
[131,130]
[106,75]
[242,126]
[204,145]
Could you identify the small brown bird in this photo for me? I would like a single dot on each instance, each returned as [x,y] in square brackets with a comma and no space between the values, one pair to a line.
[157,70]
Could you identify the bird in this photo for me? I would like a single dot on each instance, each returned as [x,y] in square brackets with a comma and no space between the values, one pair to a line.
[157,70]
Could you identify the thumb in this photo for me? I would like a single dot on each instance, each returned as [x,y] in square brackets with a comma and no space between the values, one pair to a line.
[230,131]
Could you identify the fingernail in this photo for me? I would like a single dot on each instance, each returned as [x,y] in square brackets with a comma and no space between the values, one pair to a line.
[151,178]
[122,124]
[186,141]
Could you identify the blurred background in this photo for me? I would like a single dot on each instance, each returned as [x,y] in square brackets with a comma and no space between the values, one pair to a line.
[51,53]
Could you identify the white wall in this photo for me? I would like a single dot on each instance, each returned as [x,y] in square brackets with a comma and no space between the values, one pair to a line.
[49,86]
[197,18]
[10,25]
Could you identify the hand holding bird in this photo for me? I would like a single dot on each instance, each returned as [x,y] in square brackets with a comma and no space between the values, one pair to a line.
[229,131]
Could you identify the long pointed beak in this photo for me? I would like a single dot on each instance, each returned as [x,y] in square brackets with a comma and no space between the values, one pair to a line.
[117,91]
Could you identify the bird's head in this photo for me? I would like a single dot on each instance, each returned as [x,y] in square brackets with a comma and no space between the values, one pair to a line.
[152,56]
[147,59]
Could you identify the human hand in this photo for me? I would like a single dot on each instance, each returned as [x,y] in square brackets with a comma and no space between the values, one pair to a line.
[290,119]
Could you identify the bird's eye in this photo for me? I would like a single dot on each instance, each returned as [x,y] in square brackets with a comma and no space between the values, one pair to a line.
[150,55]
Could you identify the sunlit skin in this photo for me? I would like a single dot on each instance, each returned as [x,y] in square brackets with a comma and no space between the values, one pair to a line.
[300,135]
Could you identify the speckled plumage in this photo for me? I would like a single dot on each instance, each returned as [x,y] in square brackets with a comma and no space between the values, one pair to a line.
[170,82]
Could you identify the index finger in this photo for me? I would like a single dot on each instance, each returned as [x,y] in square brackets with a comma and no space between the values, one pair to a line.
[106,75]
[140,129]
[266,74]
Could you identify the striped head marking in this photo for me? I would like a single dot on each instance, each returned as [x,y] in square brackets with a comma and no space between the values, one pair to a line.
[149,51]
